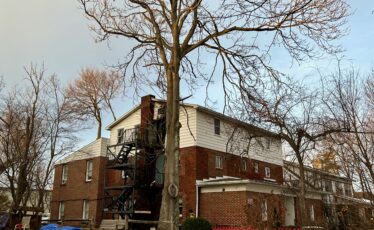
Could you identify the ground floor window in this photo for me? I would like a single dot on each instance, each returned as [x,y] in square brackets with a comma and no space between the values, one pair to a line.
[264,210]
[86,210]
[311,213]
[61,210]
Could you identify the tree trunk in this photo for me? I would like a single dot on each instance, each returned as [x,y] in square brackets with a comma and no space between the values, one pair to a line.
[98,135]
[169,213]
[302,205]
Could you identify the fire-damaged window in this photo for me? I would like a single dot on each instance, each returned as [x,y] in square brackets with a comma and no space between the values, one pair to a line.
[64,175]
[217,126]
[89,166]
[219,162]
[264,210]
[120,135]
[267,172]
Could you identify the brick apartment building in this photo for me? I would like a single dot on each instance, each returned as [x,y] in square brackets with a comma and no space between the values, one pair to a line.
[231,173]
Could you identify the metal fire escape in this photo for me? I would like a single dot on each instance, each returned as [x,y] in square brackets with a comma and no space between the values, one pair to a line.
[138,157]
[120,198]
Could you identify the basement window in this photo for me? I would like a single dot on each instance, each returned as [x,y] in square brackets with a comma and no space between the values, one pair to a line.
[267,172]
[89,166]
[64,175]
[219,162]
[217,126]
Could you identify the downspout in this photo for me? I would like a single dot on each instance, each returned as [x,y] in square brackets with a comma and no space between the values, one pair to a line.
[197,200]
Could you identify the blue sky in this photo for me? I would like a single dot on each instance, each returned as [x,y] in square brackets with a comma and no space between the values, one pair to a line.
[56,32]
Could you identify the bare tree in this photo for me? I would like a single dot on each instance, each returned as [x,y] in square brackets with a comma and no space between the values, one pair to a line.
[172,39]
[298,116]
[352,94]
[93,93]
[36,128]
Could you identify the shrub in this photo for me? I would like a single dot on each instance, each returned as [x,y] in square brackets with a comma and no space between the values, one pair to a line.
[196,224]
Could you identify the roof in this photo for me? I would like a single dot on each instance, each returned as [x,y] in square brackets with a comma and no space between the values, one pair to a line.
[94,149]
[317,170]
[201,109]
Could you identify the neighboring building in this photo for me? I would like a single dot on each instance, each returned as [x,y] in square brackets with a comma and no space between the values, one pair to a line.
[334,194]
[31,205]
[230,172]
[78,185]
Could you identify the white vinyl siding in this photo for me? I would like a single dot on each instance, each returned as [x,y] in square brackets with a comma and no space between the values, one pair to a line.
[187,118]
[258,146]
[129,123]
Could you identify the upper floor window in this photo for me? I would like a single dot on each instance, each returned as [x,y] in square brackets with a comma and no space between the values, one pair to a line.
[219,162]
[86,210]
[89,166]
[217,126]
[264,210]
[61,210]
[268,143]
[256,167]
[267,172]
[64,175]
[120,135]
[244,164]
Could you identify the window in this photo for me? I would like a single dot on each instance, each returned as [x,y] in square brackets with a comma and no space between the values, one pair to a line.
[219,162]
[256,167]
[61,210]
[217,126]
[244,164]
[86,210]
[264,210]
[311,213]
[120,135]
[267,172]
[268,143]
[64,175]
[89,170]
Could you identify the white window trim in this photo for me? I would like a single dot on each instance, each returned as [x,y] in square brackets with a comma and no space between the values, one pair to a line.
[86,210]
[61,210]
[244,164]
[89,170]
[267,172]
[312,217]
[64,174]
[218,162]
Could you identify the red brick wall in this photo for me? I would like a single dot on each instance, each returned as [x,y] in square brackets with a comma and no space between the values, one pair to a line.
[240,208]
[197,163]
[76,189]
[318,212]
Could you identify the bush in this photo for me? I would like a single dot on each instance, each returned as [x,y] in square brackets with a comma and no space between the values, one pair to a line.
[196,224]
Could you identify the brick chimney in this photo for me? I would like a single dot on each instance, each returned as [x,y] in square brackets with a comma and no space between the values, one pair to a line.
[146,114]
